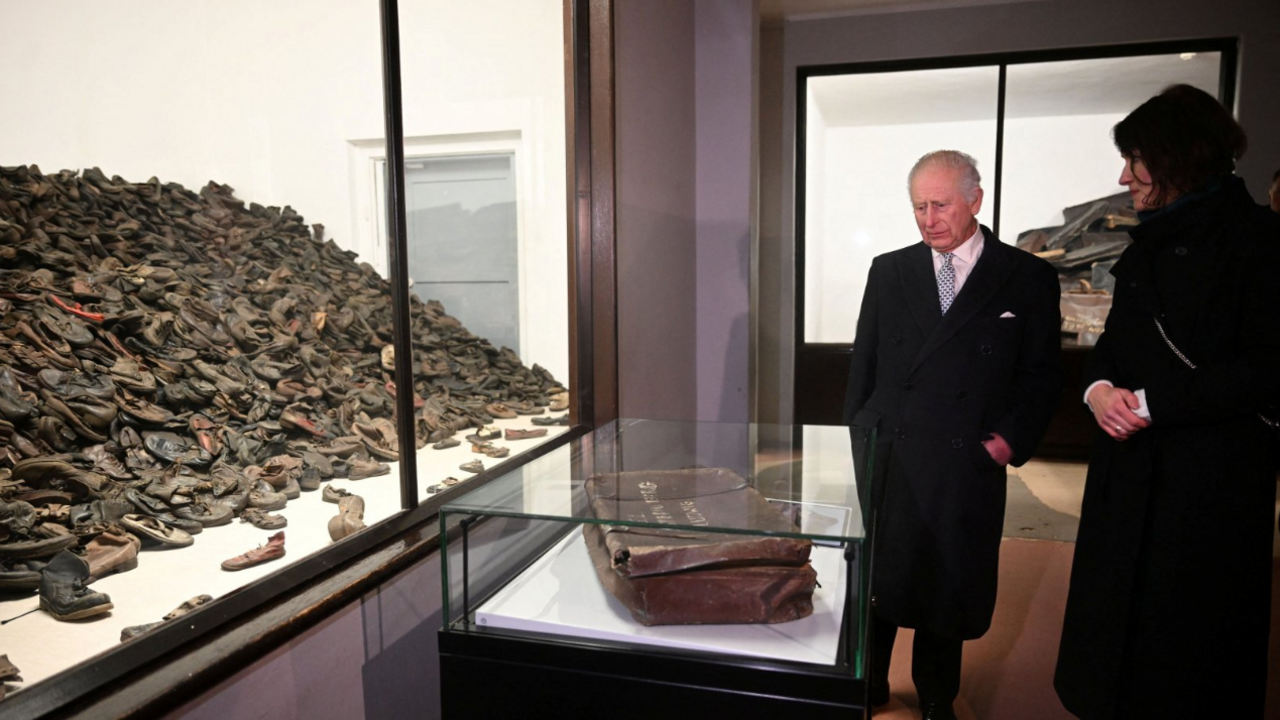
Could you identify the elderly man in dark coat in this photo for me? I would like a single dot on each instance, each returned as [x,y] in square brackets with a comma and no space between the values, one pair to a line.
[957,363]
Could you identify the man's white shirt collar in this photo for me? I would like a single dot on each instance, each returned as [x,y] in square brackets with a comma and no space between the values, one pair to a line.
[968,251]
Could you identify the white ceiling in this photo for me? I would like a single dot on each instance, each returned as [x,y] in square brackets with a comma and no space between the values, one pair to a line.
[1074,87]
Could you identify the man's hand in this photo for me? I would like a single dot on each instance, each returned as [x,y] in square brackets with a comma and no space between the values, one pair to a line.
[998,448]
[1113,410]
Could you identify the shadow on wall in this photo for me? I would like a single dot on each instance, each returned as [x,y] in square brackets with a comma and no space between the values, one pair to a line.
[735,404]
[396,678]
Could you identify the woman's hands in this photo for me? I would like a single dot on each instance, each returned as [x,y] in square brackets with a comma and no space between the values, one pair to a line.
[1113,410]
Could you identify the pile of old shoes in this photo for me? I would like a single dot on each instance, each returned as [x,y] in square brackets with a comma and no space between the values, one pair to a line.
[274,549]
[350,517]
[62,589]
[171,359]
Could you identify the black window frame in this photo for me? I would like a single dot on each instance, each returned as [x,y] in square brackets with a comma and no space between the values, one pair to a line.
[815,362]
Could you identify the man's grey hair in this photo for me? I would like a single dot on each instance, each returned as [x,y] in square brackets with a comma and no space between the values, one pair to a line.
[970,180]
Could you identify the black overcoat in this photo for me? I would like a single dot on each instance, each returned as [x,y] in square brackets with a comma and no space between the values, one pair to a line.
[1170,588]
[935,387]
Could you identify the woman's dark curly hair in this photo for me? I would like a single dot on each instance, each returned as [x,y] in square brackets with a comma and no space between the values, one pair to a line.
[1184,137]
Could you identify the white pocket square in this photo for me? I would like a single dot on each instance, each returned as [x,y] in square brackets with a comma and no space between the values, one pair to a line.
[1006,314]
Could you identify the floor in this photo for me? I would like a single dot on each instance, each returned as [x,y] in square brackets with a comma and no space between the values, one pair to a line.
[1008,672]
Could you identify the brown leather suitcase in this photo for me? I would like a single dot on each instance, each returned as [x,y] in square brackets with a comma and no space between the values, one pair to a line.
[671,576]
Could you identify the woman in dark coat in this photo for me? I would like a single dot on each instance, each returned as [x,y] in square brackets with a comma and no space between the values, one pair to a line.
[1170,589]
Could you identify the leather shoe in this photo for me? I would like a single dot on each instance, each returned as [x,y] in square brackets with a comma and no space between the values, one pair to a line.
[264,553]
[350,517]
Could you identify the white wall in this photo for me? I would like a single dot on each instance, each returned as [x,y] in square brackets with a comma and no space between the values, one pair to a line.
[1055,162]
[283,101]
[816,297]
[857,207]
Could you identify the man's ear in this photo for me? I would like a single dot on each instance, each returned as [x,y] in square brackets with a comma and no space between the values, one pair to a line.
[976,205]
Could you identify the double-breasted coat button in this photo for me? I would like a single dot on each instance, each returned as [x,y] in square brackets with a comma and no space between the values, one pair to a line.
[1180,251]
[1133,283]
[962,395]
[900,434]
[957,443]
[987,350]
[907,387]
[897,339]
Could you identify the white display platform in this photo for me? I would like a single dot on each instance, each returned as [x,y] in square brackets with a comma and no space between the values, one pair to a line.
[560,594]
[41,646]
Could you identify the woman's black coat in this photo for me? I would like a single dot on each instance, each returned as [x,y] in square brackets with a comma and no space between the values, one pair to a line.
[1169,603]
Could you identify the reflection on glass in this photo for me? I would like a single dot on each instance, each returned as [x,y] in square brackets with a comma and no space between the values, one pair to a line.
[190,336]
[487,231]
[787,464]
[1060,196]
[863,132]
[596,539]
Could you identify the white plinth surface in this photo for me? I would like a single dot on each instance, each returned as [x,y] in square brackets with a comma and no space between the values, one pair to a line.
[560,594]
[41,646]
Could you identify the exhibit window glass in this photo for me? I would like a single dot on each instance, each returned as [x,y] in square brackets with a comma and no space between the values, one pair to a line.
[486,227]
[196,309]
[1061,169]
[1050,185]
[680,496]
[189,321]
[863,133]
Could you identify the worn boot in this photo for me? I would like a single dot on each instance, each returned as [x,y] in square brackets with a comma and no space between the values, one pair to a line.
[62,591]
[114,551]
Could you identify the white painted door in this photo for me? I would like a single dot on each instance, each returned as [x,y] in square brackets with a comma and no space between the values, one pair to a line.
[461,213]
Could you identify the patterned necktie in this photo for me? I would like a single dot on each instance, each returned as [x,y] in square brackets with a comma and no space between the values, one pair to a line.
[946,282]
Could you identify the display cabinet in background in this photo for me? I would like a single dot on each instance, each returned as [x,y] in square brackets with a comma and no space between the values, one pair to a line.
[265,302]
[1039,125]
[658,567]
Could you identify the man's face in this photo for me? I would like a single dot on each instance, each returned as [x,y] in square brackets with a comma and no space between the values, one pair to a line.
[1275,194]
[944,217]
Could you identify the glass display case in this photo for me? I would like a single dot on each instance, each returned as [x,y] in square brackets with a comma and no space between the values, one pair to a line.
[697,542]
[199,405]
